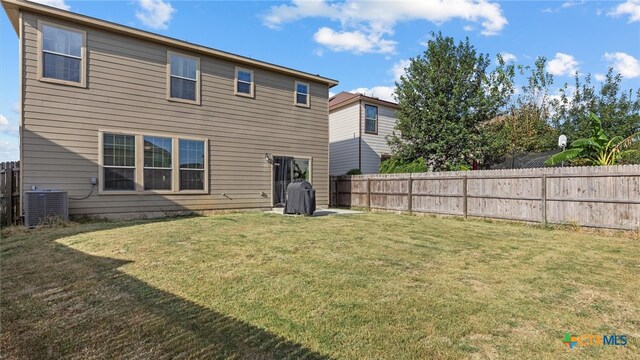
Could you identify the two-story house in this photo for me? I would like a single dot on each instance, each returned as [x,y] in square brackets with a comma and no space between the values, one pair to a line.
[133,123]
[358,130]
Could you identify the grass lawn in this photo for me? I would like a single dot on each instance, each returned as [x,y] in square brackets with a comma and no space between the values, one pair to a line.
[262,286]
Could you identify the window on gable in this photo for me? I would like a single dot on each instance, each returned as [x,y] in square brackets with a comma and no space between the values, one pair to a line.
[119,162]
[370,119]
[184,73]
[62,54]
[244,82]
[157,163]
[302,94]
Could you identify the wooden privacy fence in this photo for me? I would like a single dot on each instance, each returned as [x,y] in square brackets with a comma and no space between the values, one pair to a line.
[605,196]
[9,192]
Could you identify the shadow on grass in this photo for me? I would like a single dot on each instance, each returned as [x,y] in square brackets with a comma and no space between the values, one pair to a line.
[60,302]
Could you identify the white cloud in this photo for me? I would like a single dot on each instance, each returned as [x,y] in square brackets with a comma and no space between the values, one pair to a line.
[625,64]
[9,139]
[507,57]
[599,77]
[155,14]
[562,64]
[364,21]
[468,28]
[55,3]
[353,41]
[630,7]
[9,149]
[380,92]
[8,126]
[398,69]
[570,4]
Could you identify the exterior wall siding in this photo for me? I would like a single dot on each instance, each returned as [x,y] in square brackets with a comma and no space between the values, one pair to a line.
[343,140]
[374,146]
[126,91]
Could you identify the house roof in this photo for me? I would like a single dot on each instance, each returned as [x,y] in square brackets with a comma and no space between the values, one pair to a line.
[346,98]
[13,7]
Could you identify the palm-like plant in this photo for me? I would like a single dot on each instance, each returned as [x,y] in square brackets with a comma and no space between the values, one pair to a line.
[598,149]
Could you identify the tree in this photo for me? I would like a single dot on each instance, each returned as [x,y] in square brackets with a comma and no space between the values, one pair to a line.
[597,149]
[444,97]
[525,126]
[618,109]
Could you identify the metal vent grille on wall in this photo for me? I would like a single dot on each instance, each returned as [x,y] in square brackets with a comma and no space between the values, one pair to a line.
[39,205]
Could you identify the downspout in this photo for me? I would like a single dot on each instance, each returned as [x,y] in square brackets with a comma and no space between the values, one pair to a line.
[360,134]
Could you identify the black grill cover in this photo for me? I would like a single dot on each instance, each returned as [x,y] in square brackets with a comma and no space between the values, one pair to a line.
[301,199]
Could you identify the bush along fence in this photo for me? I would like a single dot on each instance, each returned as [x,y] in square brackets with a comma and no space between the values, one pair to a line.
[10,193]
[599,196]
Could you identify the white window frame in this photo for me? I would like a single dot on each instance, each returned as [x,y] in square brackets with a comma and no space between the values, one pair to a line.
[169,76]
[251,84]
[102,166]
[205,169]
[375,132]
[295,94]
[139,161]
[41,51]
[172,168]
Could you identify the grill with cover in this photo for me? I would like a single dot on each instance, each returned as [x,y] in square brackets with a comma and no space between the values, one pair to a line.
[301,199]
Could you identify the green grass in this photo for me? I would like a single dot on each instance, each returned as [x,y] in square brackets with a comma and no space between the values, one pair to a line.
[262,286]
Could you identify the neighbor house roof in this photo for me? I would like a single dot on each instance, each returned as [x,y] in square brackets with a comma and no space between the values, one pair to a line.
[346,98]
[13,7]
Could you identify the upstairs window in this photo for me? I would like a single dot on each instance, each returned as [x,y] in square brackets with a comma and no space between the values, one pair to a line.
[157,163]
[184,74]
[119,162]
[370,119]
[302,94]
[62,54]
[244,82]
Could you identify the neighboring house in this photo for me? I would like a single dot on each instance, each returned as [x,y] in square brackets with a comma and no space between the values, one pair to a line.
[358,130]
[158,124]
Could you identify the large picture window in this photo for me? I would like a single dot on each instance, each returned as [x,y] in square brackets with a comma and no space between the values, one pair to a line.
[370,119]
[191,164]
[184,73]
[157,163]
[62,54]
[119,162]
[152,163]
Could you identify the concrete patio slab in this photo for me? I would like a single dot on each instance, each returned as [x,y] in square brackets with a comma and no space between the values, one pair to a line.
[321,212]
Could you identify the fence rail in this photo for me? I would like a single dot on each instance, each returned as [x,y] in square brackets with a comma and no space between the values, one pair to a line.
[607,197]
[10,193]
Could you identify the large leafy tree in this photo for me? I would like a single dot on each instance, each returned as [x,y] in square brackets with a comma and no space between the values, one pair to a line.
[619,109]
[525,126]
[445,96]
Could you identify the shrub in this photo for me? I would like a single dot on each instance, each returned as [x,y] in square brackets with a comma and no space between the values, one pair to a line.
[394,166]
[354,172]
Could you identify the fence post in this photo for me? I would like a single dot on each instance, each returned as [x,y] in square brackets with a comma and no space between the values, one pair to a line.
[543,206]
[464,196]
[368,194]
[335,192]
[410,194]
[8,194]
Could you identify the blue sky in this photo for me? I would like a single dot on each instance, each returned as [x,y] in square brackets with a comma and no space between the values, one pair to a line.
[366,44]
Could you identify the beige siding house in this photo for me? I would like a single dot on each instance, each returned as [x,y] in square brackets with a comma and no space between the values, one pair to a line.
[358,130]
[132,123]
